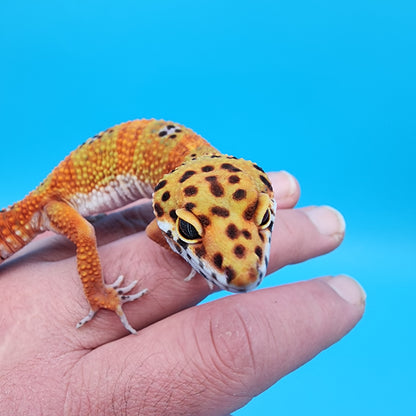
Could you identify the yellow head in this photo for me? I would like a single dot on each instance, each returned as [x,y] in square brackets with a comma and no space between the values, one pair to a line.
[218,212]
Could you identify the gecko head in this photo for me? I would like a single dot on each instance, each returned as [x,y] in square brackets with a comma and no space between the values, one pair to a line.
[218,212]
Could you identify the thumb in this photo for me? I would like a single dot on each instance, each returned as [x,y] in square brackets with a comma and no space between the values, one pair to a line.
[248,342]
[214,358]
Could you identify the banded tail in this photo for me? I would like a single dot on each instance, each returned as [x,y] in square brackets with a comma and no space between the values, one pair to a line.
[19,224]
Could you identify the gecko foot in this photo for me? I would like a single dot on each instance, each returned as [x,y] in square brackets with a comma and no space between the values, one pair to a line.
[191,276]
[114,298]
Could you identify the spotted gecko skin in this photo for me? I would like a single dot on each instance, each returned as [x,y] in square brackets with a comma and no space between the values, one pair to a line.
[214,210]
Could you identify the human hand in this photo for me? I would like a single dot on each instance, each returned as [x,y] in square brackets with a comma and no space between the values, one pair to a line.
[208,359]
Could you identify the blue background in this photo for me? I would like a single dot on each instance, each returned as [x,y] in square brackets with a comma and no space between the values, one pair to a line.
[323,89]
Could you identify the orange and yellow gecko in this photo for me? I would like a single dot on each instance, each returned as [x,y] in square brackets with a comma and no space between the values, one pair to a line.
[216,211]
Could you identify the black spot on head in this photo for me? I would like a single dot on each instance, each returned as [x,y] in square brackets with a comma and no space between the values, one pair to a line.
[200,251]
[215,187]
[270,227]
[259,252]
[190,190]
[189,256]
[182,243]
[178,130]
[266,182]
[169,233]
[187,175]
[220,211]
[261,236]
[250,211]
[246,234]
[239,251]
[230,167]
[171,126]
[204,220]
[258,167]
[172,136]
[233,179]
[232,231]
[207,168]
[218,260]
[165,196]
[158,210]
[266,260]
[173,215]
[215,156]
[161,184]
[214,276]
[230,273]
[163,133]
[239,194]
[189,206]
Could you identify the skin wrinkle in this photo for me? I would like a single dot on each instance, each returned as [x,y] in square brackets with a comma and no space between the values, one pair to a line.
[175,373]
[114,393]
[138,387]
[217,358]
[170,378]
[201,383]
[83,401]
[171,384]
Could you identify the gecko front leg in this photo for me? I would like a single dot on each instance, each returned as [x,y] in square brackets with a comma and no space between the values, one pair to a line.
[65,220]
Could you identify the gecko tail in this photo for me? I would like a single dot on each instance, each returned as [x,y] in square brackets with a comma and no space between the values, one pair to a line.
[17,228]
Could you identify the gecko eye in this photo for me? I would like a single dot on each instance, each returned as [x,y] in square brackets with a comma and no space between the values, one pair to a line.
[187,231]
[265,222]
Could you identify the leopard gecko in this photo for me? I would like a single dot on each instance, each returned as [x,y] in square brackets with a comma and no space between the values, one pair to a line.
[214,210]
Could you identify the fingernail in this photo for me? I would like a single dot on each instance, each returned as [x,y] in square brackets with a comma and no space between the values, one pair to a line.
[348,289]
[287,184]
[328,221]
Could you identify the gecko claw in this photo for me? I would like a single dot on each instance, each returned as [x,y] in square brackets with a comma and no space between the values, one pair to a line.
[88,318]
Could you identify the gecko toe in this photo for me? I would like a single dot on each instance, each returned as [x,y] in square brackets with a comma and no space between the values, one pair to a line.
[130,298]
[88,318]
[116,284]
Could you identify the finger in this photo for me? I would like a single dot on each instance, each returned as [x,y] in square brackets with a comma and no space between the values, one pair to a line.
[216,357]
[286,189]
[304,233]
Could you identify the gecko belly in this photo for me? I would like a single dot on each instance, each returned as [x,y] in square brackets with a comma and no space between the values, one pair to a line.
[121,190]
